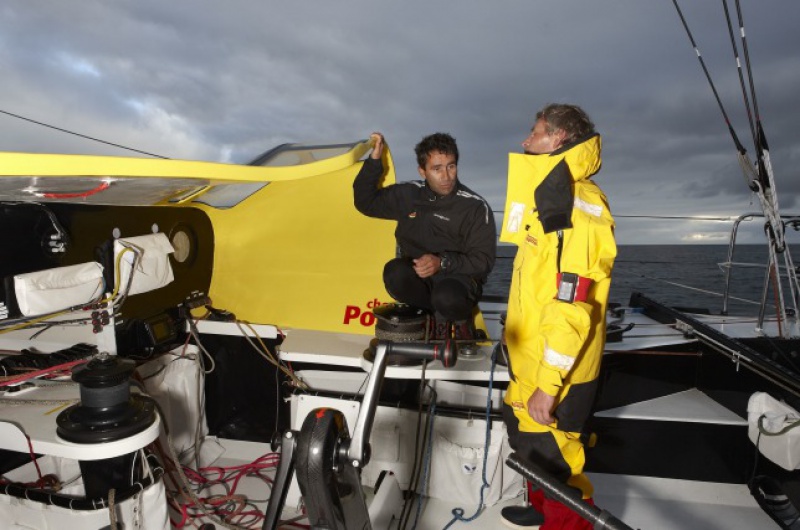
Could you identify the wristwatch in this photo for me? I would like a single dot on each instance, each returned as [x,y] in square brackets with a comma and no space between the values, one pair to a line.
[444,262]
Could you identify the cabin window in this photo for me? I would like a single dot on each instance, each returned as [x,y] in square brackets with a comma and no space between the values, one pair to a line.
[298,154]
[229,195]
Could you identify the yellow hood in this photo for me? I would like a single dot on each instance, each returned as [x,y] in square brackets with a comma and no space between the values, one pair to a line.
[526,172]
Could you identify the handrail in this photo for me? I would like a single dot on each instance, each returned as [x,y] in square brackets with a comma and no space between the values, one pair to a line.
[792,220]
[731,248]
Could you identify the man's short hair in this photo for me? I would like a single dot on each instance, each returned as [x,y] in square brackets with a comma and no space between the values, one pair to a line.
[570,118]
[441,142]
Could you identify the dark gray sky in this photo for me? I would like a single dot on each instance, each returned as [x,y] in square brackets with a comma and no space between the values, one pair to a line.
[225,81]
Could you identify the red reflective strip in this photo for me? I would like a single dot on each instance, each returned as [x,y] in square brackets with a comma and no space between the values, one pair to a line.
[101,187]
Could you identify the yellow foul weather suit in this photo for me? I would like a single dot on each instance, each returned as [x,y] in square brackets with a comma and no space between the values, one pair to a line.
[561,223]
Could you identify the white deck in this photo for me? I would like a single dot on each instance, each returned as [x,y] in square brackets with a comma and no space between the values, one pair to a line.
[641,502]
[38,422]
[343,349]
[738,326]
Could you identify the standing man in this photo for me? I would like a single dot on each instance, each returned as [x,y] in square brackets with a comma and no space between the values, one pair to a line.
[445,232]
[555,328]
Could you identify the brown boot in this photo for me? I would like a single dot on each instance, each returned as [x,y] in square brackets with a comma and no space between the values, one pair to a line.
[465,330]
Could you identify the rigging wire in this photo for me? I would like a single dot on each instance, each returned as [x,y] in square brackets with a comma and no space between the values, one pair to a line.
[740,72]
[764,174]
[760,139]
[726,219]
[92,138]
[767,179]
[683,217]
[739,147]
[761,180]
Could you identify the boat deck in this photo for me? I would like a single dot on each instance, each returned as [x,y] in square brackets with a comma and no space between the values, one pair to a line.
[641,502]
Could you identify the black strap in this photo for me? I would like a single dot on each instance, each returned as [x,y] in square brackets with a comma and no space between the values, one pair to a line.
[560,235]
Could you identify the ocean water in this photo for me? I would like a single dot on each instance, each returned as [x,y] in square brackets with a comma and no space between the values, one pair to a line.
[676,275]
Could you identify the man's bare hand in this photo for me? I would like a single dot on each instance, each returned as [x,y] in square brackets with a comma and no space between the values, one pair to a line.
[540,407]
[377,149]
[427,265]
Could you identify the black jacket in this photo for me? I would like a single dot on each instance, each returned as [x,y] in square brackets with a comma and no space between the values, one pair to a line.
[459,225]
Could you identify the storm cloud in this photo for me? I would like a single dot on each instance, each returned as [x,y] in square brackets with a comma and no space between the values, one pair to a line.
[227,81]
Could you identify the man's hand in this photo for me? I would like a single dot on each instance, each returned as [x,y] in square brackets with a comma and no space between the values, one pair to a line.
[540,407]
[377,149]
[427,265]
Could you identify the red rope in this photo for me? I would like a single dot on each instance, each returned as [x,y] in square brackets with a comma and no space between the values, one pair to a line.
[33,457]
[231,506]
[24,377]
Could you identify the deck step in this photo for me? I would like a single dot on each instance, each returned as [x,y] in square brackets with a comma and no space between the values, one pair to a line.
[652,437]
[690,405]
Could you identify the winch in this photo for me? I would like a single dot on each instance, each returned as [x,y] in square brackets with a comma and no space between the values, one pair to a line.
[107,411]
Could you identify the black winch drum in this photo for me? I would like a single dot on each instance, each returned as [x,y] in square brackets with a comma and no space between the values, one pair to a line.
[107,411]
[398,323]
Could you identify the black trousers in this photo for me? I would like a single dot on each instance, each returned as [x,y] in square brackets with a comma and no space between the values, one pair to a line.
[538,447]
[453,296]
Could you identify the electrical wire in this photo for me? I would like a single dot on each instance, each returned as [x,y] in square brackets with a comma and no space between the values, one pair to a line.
[427,460]
[25,322]
[115,298]
[195,334]
[61,233]
[415,466]
[201,399]
[17,324]
[277,402]
[265,352]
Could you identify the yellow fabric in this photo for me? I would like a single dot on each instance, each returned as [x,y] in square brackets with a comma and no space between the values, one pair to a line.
[113,168]
[299,255]
[535,320]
